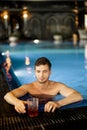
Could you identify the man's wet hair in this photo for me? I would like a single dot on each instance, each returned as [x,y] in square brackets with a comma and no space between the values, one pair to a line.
[43,61]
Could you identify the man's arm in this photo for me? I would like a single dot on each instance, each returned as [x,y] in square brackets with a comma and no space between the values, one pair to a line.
[70,96]
[12,98]
[73,97]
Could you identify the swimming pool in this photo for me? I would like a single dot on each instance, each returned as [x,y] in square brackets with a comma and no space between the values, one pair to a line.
[69,64]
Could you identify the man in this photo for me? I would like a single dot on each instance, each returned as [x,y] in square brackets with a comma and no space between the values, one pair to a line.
[43,86]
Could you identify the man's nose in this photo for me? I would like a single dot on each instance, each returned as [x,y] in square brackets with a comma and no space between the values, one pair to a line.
[41,74]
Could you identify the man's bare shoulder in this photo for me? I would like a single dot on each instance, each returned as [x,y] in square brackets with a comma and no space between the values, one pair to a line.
[28,85]
[56,83]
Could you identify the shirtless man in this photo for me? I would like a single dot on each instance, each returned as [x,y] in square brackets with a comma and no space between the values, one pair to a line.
[43,86]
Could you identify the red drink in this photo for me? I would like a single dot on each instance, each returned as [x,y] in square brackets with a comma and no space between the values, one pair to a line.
[32,112]
[32,107]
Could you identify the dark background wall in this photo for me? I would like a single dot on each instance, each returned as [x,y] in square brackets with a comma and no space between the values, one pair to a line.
[48,18]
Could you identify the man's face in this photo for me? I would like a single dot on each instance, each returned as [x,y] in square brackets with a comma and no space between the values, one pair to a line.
[42,73]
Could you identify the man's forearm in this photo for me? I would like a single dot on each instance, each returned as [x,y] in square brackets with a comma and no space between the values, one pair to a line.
[75,97]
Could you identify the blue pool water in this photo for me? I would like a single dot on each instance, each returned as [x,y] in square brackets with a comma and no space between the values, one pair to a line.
[68,64]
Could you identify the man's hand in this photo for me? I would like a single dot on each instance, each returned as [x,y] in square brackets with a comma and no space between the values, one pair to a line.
[20,106]
[51,106]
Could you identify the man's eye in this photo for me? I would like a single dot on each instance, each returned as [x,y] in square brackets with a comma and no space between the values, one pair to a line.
[45,71]
[38,71]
